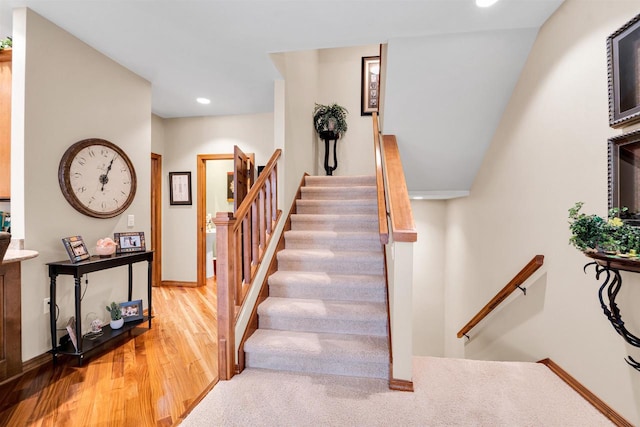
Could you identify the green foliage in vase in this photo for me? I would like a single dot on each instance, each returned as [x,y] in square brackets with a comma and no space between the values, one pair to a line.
[114,310]
[594,233]
[5,43]
[330,118]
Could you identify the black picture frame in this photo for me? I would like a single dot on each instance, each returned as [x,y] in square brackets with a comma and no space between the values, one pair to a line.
[129,242]
[623,57]
[370,85]
[180,188]
[624,175]
[76,249]
[131,310]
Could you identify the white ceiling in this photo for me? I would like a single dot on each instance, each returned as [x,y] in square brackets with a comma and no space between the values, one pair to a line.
[219,49]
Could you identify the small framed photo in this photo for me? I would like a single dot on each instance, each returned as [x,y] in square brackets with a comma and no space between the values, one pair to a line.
[131,310]
[230,187]
[76,248]
[624,74]
[180,188]
[370,85]
[129,242]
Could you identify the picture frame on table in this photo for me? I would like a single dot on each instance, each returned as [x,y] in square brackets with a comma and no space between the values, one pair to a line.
[180,188]
[76,249]
[129,242]
[623,57]
[131,310]
[370,85]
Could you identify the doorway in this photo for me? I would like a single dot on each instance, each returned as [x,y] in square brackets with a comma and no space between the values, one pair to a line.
[212,174]
[156,218]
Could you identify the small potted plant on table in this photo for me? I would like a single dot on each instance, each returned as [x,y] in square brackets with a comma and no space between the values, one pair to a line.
[116,316]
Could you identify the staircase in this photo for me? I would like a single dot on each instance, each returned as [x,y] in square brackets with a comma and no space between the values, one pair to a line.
[327,310]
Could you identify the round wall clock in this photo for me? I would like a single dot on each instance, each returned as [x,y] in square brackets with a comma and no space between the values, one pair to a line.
[97,178]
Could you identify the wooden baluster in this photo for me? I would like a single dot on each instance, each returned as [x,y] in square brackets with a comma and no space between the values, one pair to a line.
[254,231]
[225,243]
[268,210]
[261,209]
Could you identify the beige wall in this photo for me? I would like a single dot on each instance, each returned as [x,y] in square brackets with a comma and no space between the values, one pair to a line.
[323,76]
[184,140]
[549,151]
[71,92]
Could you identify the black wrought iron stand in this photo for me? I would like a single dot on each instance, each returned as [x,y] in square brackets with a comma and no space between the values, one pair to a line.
[609,267]
[327,136]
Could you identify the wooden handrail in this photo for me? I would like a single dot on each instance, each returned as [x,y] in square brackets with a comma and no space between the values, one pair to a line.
[403,228]
[518,280]
[383,227]
[241,241]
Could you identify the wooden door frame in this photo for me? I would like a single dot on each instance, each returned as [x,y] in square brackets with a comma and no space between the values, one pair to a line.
[201,197]
[156,217]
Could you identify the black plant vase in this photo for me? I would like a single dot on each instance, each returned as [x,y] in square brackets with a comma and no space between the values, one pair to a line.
[328,136]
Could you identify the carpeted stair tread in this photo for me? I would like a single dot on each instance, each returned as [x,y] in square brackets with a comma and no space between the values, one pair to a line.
[341,262]
[300,284]
[332,222]
[314,315]
[344,206]
[356,180]
[336,193]
[336,354]
[334,240]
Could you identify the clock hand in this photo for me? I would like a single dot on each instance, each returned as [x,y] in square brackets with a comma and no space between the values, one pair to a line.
[104,178]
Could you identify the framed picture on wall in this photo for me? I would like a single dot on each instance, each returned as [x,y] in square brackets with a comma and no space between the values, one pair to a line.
[179,188]
[229,187]
[370,86]
[623,60]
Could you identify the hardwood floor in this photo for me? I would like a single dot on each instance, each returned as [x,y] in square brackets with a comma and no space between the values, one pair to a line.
[149,379]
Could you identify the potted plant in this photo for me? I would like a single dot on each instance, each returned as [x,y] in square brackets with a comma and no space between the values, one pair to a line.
[330,121]
[116,316]
[612,235]
[6,43]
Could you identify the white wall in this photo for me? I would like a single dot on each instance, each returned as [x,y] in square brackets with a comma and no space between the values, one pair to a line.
[444,97]
[428,277]
[549,151]
[71,92]
[185,139]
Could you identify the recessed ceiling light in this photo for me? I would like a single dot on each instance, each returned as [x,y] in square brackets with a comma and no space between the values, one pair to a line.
[203,101]
[485,3]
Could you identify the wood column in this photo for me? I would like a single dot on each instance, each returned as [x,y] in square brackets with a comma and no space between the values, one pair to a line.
[225,244]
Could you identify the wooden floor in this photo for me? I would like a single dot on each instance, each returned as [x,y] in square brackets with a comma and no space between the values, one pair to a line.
[149,379]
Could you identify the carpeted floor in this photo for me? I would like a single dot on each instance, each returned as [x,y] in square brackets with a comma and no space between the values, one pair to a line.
[448,392]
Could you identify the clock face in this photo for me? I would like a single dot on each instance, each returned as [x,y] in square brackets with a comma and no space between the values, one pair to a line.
[97,178]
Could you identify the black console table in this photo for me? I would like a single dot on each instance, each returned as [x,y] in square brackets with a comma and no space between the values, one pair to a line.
[609,266]
[77,270]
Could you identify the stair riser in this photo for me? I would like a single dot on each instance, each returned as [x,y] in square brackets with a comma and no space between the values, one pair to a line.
[295,363]
[334,266]
[337,326]
[333,293]
[338,193]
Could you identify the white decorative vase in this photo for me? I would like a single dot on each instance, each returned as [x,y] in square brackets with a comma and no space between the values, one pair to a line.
[116,324]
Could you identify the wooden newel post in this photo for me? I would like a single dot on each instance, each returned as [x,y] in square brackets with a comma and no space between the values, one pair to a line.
[225,249]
